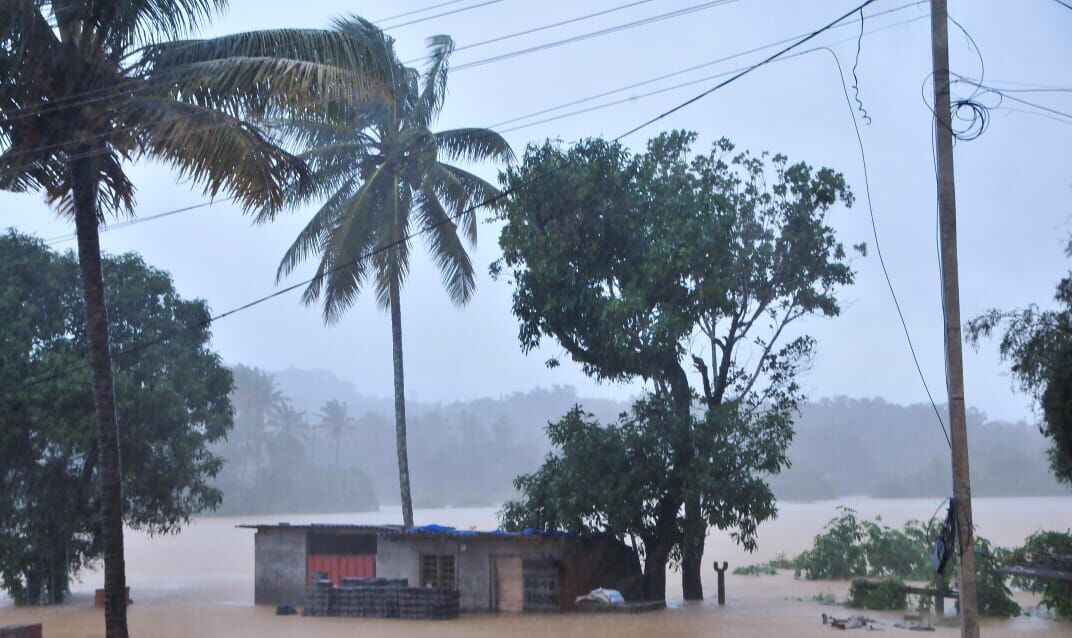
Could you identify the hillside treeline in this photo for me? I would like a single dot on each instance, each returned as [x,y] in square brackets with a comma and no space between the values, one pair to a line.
[332,448]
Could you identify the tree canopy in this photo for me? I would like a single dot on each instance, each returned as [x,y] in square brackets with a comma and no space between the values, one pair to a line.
[646,266]
[1038,344]
[172,402]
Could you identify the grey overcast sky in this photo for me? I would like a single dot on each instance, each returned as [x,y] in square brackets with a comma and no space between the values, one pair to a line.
[1014,183]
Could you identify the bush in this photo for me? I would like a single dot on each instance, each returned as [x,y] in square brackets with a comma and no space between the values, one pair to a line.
[849,547]
[837,553]
[769,568]
[993,595]
[888,593]
[1047,549]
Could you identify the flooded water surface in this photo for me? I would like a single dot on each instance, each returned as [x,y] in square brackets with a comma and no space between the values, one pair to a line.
[200,583]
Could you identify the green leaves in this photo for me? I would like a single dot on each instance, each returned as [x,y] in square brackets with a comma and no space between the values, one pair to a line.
[171,399]
[1038,344]
[378,167]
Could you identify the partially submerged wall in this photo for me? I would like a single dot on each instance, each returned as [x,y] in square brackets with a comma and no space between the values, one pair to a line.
[279,566]
[399,556]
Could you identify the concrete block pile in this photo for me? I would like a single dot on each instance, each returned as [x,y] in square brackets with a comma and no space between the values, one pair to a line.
[380,598]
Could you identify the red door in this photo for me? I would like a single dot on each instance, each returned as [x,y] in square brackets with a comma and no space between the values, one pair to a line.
[339,567]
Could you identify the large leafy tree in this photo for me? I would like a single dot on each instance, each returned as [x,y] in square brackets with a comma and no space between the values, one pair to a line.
[172,401]
[382,176]
[1038,344]
[630,261]
[88,85]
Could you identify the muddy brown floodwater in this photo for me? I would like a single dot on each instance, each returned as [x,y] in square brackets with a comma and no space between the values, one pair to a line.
[200,583]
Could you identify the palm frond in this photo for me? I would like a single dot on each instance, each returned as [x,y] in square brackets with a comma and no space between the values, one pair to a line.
[463,193]
[474,145]
[127,23]
[262,87]
[217,151]
[434,89]
[391,260]
[441,238]
[346,253]
[313,237]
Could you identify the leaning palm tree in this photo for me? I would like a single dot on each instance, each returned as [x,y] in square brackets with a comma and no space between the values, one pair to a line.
[382,178]
[87,86]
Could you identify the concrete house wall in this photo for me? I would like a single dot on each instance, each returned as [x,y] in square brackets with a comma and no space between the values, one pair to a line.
[399,557]
[279,566]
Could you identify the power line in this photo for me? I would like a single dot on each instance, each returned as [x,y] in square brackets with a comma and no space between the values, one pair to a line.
[103,137]
[538,29]
[442,15]
[593,34]
[139,220]
[738,76]
[878,246]
[104,93]
[696,67]
[640,96]
[1064,4]
[416,11]
[448,219]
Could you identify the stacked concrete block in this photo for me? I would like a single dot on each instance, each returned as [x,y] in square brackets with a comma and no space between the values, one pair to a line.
[428,604]
[320,598]
[381,598]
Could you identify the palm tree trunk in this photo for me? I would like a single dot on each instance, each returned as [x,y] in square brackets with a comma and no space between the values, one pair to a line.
[400,406]
[84,190]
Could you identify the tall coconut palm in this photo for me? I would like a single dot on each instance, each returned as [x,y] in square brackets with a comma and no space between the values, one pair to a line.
[382,177]
[336,422]
[89,85]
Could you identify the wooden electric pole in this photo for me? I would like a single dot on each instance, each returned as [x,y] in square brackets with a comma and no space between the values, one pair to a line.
[947,221]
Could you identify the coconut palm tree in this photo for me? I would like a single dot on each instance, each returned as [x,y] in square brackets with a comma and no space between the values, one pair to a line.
[382,177]
[87,86]
[336,422]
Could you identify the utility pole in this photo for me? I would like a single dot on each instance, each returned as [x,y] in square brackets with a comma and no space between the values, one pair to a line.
[947,221]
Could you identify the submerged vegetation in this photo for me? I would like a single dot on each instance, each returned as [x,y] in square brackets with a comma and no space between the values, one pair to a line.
[173,404]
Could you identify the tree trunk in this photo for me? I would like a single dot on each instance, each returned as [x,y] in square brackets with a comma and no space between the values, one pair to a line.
[84,191]
[400,406]
[693,530]
[692,547]
[655,559]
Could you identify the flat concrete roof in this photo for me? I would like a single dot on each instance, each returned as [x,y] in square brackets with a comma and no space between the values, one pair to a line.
[339,526]
[421,532]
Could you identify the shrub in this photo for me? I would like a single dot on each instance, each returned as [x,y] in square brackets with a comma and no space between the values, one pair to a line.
[888,593]
[993,595]
[849,547]
[837,552]
[1053,550]
[769,568]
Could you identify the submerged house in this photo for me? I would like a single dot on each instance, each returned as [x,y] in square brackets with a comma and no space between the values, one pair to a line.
[491,570]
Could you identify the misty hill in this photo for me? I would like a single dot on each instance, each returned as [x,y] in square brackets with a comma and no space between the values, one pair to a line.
[467,453]
[870,447]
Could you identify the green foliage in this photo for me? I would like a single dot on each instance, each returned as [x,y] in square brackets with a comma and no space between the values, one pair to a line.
[1038,344]
[769,568]
[884,594]
[613,478]
[1049,550]
[992,593]
[624,259]
[849,547]
[171,401]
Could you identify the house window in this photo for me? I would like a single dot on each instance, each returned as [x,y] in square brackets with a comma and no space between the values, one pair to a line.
[437,570]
